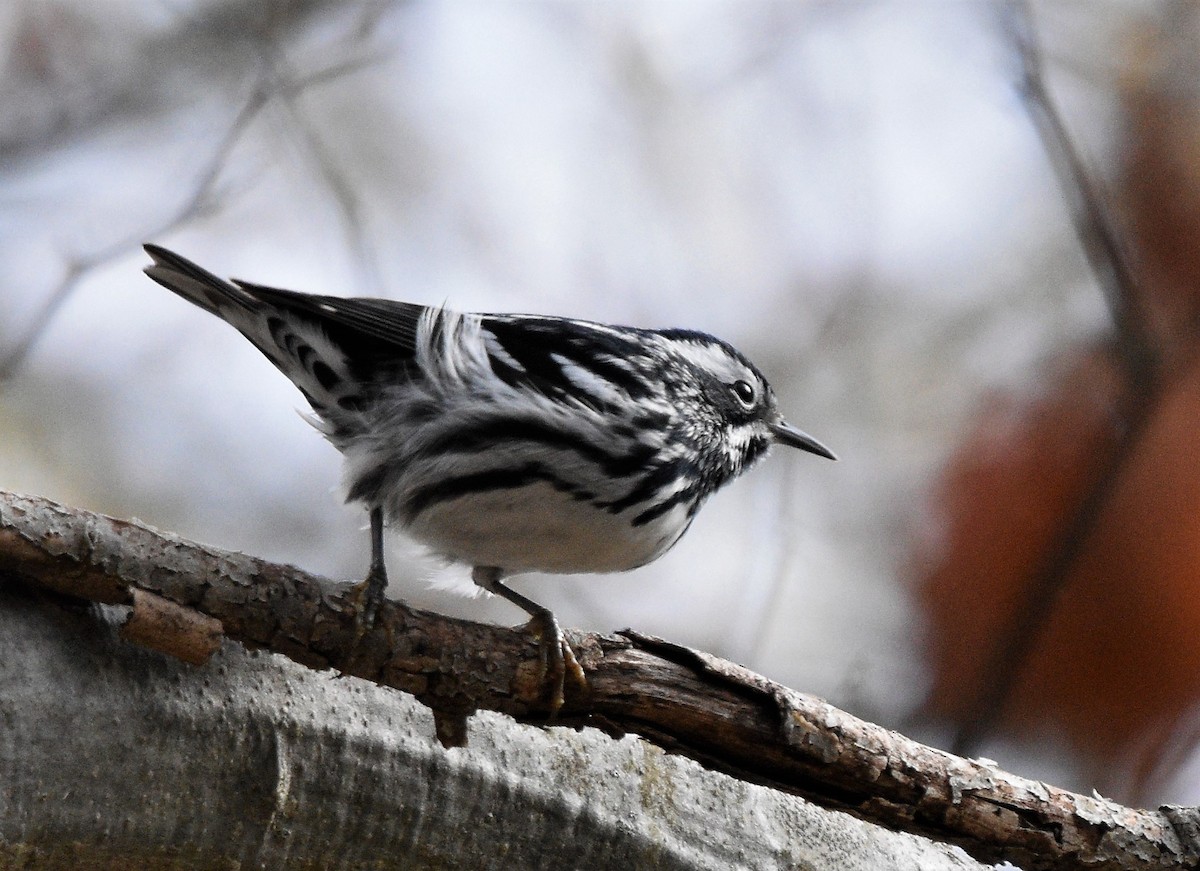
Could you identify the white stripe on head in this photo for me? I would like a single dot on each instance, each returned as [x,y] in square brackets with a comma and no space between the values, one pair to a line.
[713,357]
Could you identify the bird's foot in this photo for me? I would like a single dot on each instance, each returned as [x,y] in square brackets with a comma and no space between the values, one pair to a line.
[558,659]
[365,597]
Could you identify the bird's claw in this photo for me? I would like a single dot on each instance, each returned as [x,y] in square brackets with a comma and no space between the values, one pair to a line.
[365,597]
[558,659]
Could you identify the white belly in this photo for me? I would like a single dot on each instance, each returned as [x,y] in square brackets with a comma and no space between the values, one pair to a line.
[538,528]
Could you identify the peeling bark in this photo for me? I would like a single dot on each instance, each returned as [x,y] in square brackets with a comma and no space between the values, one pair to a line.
[686,701]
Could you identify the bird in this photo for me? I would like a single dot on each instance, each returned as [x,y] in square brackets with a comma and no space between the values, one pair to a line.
[510,443]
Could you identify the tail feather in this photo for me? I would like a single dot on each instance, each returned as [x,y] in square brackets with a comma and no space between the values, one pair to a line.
[196,285]
[334,350]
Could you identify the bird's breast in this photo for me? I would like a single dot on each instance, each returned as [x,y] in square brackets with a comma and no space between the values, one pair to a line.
[536,527]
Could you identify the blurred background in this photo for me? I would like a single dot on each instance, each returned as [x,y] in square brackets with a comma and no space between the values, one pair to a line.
[858,195]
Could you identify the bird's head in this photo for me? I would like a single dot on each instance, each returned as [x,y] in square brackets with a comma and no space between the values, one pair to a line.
[737,414]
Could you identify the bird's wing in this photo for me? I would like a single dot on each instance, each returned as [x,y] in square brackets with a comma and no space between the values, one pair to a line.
[337,351]
[355,318]
[592,363]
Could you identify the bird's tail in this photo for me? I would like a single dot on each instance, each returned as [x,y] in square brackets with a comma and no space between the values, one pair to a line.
[196,285]
[291,329]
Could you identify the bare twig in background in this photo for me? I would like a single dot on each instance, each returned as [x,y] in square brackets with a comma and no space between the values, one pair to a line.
[1100,240]
[684,700]
[78,267]
[1135,345]
[349,205]
[340,187]
[204,198]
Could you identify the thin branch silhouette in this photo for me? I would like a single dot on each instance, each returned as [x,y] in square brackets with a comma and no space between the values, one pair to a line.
[205,197]
[1136,348]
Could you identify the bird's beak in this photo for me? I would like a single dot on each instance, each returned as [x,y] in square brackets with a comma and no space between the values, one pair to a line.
[788,435]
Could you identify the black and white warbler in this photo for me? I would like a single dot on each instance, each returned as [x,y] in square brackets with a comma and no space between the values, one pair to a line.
[511,443]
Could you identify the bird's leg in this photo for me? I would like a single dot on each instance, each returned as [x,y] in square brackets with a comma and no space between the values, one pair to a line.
[367,594]
[558,659]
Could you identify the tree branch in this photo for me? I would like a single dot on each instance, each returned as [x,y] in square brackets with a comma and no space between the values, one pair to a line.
[1135,345]
[684,700]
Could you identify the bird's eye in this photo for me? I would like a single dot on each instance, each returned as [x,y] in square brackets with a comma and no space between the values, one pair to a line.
[745,392]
